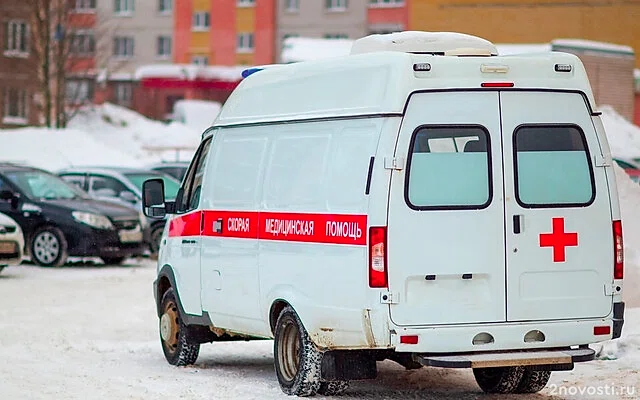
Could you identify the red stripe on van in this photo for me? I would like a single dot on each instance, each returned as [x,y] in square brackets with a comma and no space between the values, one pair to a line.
[314,228]
[290,227]
[186,225]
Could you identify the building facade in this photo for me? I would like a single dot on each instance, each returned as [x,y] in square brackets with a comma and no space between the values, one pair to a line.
[18,67]
[130,34]
[526,21]
[329,19]
[387,16]
[224,32]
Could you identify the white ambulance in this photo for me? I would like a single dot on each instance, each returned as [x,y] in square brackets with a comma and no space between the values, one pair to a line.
[422,200]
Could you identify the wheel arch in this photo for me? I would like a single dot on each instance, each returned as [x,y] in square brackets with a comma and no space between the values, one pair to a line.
[166,280]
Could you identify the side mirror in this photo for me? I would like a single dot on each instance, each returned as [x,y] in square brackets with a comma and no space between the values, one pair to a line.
[128,196]
[14,198]
[153,203]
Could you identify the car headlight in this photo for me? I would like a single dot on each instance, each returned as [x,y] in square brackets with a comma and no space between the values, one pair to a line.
[93,220]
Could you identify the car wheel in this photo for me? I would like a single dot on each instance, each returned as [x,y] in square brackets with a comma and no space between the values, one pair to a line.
[533,381]
[498,379]
[333,388]
[48,247]
[297,360]
[155,239]
[113,260]
[173,334]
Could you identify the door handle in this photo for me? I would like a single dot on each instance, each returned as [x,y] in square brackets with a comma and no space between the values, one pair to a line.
[518,223]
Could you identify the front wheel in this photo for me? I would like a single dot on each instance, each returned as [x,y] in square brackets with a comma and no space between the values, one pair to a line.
[297,360]
[498,379]
[173,333]
[48,247]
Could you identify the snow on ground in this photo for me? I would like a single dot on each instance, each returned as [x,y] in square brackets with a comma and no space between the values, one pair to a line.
[90,332]
[106,135]
[623,136]
[196,114]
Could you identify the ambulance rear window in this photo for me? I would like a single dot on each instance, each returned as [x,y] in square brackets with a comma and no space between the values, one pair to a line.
[449,168]
[552,167]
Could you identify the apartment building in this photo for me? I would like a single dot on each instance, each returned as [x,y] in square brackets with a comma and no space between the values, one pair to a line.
[130,34]
[387,16]
[18,67]
[224,32]
[329,19]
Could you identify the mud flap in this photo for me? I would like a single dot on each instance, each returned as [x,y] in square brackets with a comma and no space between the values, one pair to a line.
[348,365]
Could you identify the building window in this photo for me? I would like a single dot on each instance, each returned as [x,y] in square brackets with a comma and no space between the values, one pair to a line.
[16,39]
[246,3]
[164,47]
[336,5]
[165,6]
[15,106]
[292,5]
[124,94]
[83,43]
[200,60]
[201,21]
[245,42]
[123,7]
[123,46]
[336,36]
[78,91]
[85,6]
[386,3]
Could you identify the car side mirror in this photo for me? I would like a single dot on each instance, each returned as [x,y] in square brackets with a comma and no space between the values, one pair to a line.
[128,196]
[14,198]
[153,203]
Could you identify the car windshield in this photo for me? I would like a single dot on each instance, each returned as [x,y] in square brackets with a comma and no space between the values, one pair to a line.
[42,185]
[171,185]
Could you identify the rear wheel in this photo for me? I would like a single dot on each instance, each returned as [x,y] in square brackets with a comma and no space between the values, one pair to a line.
[173,334]
[533,381]
[297,360]
[48,247]
[498,379]
[154,240]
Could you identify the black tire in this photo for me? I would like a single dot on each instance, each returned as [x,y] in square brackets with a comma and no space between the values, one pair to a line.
[533,381]
[48,247]
[498,379]
[154,240]
[333,388]
[113,260]
[173,333]
[297,360]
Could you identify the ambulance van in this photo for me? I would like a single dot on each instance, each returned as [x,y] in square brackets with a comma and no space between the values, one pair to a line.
[422,200]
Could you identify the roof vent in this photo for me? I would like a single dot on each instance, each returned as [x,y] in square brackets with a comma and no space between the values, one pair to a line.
[436,43]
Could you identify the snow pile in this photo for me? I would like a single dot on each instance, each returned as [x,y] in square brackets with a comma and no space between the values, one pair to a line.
[136,135]
[622,135]
[196,114]
[55,149]
[296,49]
[190,72]
[628,346]
[591,45]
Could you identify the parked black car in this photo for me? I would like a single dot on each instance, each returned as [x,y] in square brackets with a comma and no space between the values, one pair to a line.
[60,220]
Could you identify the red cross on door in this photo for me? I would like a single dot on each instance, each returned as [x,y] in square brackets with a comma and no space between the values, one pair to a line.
[558,239]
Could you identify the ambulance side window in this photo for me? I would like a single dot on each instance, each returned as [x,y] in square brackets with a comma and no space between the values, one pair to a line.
[192,183]
[449,168]
[552,166]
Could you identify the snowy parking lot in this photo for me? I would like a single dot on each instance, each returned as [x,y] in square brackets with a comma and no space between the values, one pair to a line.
[90,332]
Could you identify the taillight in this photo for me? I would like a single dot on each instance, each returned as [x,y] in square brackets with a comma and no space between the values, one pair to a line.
[377,257]
[618,251]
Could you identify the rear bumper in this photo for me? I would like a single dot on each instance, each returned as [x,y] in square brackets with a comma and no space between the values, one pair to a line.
[551,359]
[506,336]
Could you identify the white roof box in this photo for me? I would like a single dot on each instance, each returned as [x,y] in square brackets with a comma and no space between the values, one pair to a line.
[438,43]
